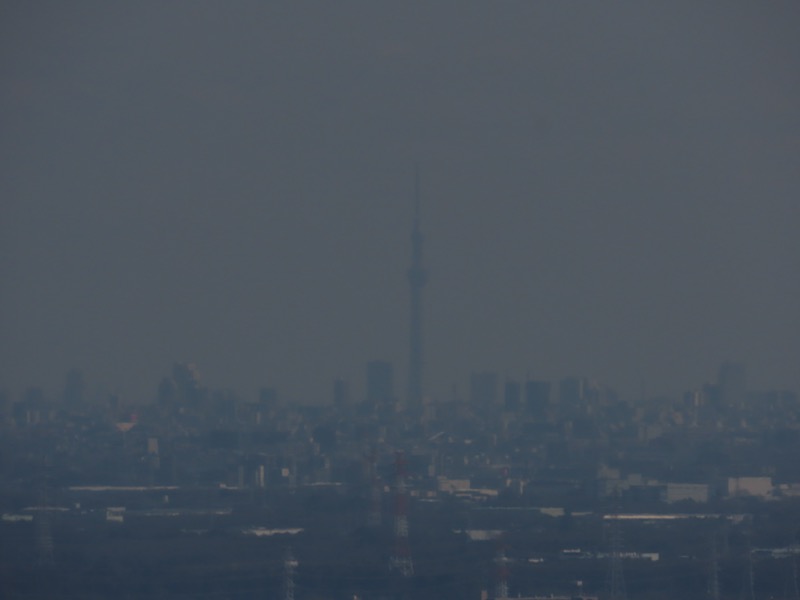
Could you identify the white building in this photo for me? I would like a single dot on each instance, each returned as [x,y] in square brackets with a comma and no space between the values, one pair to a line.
[676,492]
[760,487]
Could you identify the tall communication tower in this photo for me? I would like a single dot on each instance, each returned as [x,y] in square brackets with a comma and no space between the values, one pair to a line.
[401,559]
[417,278]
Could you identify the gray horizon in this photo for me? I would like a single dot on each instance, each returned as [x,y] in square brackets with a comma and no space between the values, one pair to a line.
[609,190]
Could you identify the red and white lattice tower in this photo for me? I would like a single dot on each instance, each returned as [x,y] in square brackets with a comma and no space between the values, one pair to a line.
[401,559]
[289,568]
[501,573]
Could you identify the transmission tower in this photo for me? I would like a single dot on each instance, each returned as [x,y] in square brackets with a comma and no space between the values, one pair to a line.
[713,574]
[501,573]
[616,579]
[44,538]
[401,559]
[289,567]
[751,593]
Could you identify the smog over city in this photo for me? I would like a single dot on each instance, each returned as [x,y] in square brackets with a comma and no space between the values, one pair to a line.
[389,300]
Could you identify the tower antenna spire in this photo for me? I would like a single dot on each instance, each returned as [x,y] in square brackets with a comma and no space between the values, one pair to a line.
[416,194]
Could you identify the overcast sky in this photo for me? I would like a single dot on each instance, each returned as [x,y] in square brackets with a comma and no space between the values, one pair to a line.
[609,189]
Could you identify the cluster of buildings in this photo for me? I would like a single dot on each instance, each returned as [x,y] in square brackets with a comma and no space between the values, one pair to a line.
[570,452]
[520,488]
[506,438]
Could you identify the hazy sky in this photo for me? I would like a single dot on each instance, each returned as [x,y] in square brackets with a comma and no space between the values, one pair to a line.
[610,189]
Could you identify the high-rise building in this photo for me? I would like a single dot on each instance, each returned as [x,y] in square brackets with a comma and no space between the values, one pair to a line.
[417,278]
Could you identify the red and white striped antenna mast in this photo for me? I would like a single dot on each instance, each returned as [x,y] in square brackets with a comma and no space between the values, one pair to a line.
[501,572]
[401,559]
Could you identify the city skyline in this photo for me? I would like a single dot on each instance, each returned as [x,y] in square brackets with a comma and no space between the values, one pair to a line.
[370,301]
[610,192]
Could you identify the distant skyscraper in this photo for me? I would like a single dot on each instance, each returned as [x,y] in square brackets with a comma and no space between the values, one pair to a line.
[380,382]
[417,278]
